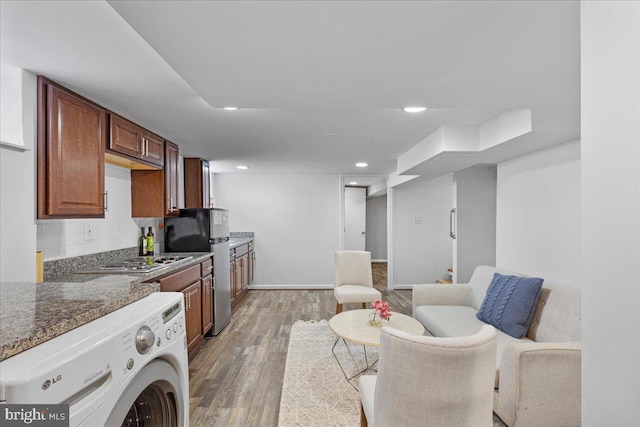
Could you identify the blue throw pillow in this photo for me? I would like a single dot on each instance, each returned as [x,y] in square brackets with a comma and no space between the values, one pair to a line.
[510,303]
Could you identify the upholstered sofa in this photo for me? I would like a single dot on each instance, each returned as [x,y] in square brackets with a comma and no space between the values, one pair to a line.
[537,376]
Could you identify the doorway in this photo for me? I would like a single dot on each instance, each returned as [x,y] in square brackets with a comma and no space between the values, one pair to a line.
[355,218]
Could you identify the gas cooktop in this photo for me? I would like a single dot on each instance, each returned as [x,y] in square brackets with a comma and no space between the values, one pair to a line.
[138,265]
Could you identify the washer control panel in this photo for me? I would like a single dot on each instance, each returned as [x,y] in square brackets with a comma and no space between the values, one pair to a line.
[145,338]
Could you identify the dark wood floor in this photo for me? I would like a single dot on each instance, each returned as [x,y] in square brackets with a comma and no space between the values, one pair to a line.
[236,378]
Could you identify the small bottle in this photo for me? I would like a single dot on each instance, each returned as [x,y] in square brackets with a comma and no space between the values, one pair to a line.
[143,243]
[150,241]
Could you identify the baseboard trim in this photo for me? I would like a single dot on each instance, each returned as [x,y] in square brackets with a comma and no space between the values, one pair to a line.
[292,287]
[410,287]
[378,260]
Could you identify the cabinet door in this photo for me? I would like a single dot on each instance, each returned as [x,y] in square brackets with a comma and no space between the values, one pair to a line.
[197,183]
[126,137]
[252,265]
[70,155]
[245,271]
[239,279]
[207,304]
[206,185]
[232,280]
[153,149]
[171,179]
[193,316]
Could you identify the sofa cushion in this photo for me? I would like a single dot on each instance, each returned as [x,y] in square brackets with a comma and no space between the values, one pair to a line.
[459,321]
[481,279]
[510,303]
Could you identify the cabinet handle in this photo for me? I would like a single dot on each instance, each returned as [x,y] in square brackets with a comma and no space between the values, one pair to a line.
[105,197]
[213,283]
[452,222]
[170,206]
[186,306]
[145,151]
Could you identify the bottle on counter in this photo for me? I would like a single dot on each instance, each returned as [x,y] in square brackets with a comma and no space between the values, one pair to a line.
[142,249]
[150,241]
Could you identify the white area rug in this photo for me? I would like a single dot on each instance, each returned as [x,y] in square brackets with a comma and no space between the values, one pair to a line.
[315,392]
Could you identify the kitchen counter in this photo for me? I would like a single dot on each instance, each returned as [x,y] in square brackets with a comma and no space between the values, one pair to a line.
[32,313]
[234,243]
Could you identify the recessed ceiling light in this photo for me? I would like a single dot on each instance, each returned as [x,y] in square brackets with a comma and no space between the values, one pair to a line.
[243,167]
[330,135]
[361,165]
[353,183]
[230,108]
[414,109]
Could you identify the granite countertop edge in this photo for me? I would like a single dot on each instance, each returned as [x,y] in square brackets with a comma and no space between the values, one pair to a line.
[141,286]
[48,332]
[234,243]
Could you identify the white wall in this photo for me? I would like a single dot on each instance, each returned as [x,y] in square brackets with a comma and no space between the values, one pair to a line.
[296,221]
[474,197]
[11,104]
[376,237]
[610,98]
[538,214]
[117,230]
[422,252]
[17,194]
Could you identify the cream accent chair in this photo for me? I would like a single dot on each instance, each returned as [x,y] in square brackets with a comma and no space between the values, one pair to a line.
[428,381]
[354,282]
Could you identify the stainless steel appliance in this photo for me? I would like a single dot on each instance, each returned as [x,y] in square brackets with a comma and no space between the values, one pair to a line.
[205,230]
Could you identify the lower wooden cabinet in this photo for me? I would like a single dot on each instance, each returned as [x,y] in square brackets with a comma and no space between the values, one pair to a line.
[244,265]
[206,271]
[193,316]
[252,263]
[195,282]
[207,304]
[241,271]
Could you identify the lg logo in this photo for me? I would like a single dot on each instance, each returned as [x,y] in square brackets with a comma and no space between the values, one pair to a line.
[48,383]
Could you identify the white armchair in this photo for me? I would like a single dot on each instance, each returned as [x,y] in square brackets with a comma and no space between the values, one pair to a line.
[354,281]
[428,381]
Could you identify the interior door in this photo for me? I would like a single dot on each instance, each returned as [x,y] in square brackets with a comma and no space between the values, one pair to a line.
[355,218]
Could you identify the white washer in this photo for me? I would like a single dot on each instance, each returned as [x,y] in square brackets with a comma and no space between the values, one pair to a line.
[126,368]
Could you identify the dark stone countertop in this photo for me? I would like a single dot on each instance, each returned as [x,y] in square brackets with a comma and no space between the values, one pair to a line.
[32,313]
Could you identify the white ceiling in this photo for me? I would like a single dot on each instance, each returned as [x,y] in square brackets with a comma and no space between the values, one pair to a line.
[320,84]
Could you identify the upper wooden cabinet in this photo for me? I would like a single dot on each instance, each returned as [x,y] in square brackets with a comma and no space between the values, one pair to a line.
[154,193]
[171,179]
[131,140]
[197,183]
[72,133]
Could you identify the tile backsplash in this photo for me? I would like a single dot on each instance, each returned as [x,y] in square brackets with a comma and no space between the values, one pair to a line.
[117,230]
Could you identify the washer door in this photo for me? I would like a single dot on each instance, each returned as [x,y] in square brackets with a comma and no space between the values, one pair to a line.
[153,398]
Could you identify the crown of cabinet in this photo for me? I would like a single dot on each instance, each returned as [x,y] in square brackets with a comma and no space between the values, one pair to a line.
[197,183]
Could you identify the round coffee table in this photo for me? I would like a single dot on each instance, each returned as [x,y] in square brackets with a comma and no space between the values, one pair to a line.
[353,326]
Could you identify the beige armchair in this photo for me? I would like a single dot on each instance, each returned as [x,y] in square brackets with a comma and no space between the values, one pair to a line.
[354,281]
[429,381]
